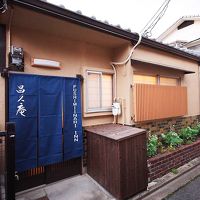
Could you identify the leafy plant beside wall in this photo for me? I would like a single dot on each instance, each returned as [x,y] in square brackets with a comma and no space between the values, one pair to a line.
[197,127]
[152,145]
[171,140]
[188,135]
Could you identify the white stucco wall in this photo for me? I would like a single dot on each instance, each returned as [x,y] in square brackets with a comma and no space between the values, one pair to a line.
[187,34]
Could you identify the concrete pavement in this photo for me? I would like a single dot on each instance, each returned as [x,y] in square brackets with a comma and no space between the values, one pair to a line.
[173,186]
[190,191]
[76,188]
[85,188]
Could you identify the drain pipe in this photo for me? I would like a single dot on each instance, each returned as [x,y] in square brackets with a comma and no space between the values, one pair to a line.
[9,27]
[113,64]
[8,46]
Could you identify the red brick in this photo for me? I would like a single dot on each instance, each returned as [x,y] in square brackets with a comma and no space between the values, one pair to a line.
[163,163]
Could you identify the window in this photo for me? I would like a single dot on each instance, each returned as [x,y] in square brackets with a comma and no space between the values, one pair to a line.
[160,80]
[168,81]
[185,24]
[99,90]
[145,79]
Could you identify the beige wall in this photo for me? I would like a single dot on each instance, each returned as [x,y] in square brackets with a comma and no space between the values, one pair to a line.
[125,76]
[76,47]
[77,53]
[124,82]
[190,80]
[73,55]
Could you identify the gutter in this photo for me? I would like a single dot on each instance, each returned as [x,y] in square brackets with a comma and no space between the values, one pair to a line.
[64,14]
[56,11]
[169,49]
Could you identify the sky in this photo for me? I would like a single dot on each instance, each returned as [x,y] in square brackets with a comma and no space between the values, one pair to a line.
[133,14]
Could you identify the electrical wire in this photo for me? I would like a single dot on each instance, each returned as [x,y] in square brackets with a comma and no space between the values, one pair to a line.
[153,17]
[123,63]
[147,30]
[148,33]
[115,73]
[4,7]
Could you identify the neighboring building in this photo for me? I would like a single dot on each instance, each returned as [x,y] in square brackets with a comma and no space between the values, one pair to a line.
[183,33]
[158,86]
[193,45]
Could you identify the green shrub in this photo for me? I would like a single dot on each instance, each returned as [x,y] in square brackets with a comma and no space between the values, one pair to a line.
[171,140]
[188,134]
[197,127]
[152,145]
[194,131]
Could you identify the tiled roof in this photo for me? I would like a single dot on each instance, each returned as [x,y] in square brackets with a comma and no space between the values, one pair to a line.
[184,49]
[192,52]
[103,26]
[189,51]
[92,17]
[190,16]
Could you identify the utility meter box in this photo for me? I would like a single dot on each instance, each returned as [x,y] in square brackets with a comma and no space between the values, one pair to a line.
[16,59]
[116,109]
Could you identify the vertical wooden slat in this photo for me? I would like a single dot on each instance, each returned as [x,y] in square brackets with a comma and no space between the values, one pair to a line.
[48,174]
[118,164]
[158,101]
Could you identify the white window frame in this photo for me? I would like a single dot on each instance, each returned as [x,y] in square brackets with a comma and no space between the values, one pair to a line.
[100,109]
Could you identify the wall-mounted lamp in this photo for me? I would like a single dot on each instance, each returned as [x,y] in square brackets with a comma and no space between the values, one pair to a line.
[36,62]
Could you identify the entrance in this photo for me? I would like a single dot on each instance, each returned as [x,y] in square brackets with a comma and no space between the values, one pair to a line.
[49,142]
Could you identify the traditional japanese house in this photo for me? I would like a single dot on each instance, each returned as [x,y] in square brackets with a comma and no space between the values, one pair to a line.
[47,51]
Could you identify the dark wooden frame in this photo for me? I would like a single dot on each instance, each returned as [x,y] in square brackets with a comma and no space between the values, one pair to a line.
[48,174]
[2,47]
[10,160]
[119,165]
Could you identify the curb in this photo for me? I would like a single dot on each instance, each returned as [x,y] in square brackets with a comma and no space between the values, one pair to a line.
[155,189]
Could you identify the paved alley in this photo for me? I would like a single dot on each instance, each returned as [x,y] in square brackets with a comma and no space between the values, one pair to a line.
[191,191]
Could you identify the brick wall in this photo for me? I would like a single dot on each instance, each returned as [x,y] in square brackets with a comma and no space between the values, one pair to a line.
[163,126]
[163,163]
[158,127]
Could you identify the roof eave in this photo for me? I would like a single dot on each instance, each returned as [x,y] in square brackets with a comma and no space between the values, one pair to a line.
[148,63]
[59,12]
[170,49]
[56,11]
